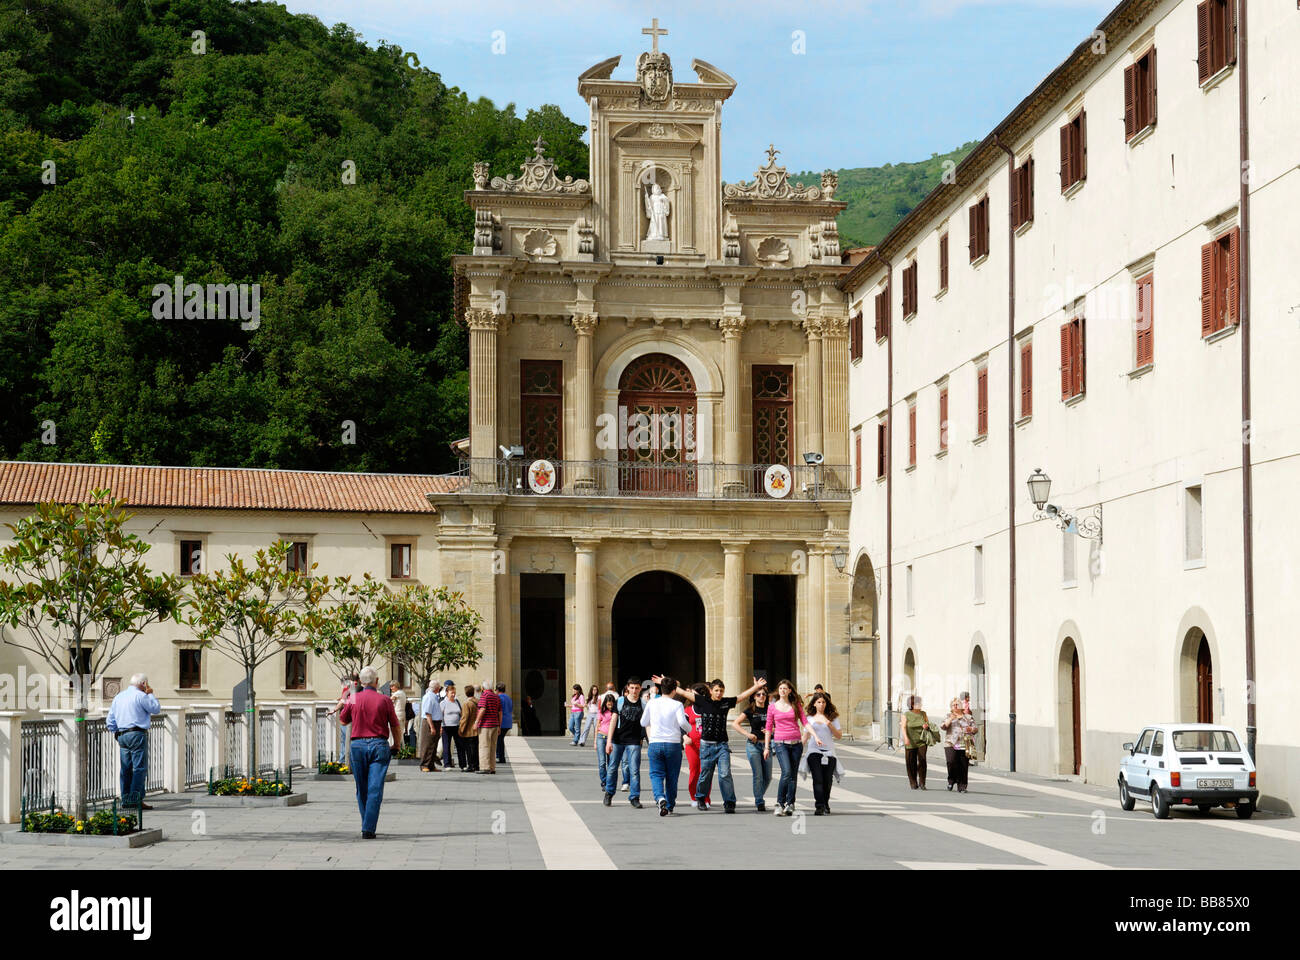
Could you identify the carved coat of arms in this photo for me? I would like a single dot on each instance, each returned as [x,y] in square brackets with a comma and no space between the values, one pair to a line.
[655,74]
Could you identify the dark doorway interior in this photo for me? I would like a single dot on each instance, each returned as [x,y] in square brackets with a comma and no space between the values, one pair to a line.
[1204,684]
[658,627]
[774,627]
[541,647]
[1075,718]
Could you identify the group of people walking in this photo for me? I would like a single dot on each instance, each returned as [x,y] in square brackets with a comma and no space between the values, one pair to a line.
[956,732]
[673,720]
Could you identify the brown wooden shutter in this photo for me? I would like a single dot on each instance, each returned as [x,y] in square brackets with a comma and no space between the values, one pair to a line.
[911,436]
[943,262]
[1081,147]
[855,336]
[1015,198]
[1203,40]
[857,458]
[1130,101]
[1080,355]
[943,419]
[1151,87]
[1067,166]
[1067,361]
[1145,321]
[1230,34]
[974,232]
[1232,294]
[982,402]
[881,447]
[1027,379]
[1209,277]
[1028,190]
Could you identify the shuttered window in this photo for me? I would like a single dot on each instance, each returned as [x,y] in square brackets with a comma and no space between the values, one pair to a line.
[943,262]
[1140,95]
[857,457]
[1072,359]
[1144,353]
[1022,194]
[909,289]
[1219,283]
[982,402]
[1026,379]
[1216,37]
[882,314]
[855,337]
[943,419]
[1074,151]
[882,448]
[911,435]
[979,229]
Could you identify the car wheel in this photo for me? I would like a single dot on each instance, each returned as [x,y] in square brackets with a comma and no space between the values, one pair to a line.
[1125,801]
[1204,807]
[1159,809]
[1245,810]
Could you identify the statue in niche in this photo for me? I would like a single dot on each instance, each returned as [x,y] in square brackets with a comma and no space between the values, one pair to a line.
[657,208]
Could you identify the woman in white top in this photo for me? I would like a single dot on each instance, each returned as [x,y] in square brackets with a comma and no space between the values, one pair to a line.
[451,710]
[819,735]
[592,714]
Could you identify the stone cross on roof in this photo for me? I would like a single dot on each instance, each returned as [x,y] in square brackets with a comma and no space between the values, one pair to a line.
[772,151]
[539,145]
[654,33]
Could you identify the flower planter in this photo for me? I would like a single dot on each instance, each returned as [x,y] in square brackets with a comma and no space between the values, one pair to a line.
[412,762]
[388,778]
[141,838]
[291,800]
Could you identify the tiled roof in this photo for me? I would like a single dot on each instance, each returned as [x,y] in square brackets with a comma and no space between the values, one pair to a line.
[223,488]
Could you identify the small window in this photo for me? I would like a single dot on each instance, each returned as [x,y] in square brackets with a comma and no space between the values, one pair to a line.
[911,435]
[79,661]
[1074,151]
[191,557]
[882,314]
[882,449]
[1219,282]
[1026,380]
[857,457]
[943,418]
[1069,566]
[979,573]
[295,669]
[855,336]
[911,609]
[910,290]
[979,229]
[1073,358]
[400,561]
[982,402]
[1193,525]
[1143,328]
[1022,194]
[943,263]
[296,559]
[1158,744]
[191,668]
[1216,37]
[1140,95]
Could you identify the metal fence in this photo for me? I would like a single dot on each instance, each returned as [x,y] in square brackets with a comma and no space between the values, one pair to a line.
[235,740]
[266,759]
[196,749]
[40,761]
[154,781]
[324,748]
[103,762]
[297,731]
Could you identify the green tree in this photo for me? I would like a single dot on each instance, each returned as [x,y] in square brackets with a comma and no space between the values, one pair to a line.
[358,629]
[437,630]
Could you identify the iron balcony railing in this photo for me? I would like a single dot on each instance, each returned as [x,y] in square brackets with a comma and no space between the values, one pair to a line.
[297,731]
[680,480]
[196,749]
[154,781]
[40,761]
[102,762]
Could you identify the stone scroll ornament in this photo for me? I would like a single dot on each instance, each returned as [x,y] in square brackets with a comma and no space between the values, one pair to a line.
[772,182]
[539,177]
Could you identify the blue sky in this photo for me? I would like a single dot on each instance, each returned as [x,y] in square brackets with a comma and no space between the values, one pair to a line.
[880,80]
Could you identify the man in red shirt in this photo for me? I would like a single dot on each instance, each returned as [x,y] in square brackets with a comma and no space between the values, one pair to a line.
[488,725]
[372,717]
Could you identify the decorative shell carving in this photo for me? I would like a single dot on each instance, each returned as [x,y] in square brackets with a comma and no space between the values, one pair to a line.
[540,243]
[539,176]
[773,250]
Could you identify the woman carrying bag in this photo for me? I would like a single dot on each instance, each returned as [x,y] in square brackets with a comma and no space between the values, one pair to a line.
[918,734]
[959,729]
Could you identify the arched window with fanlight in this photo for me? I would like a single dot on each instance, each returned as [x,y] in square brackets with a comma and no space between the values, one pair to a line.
[656,398]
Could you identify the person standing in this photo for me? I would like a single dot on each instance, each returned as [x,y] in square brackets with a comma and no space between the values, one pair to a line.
[577,707]
[400,700]
[608,708]
[625,741]
[351,685]
[430,721]
[507,721]
[372,717]
[755,718]
[487,725]
[958,728]
[590,714]
[819,759]
[915,725]
[667,727]
[714,750]
[693,755]
[451,714]
[468,737]
[783,734]
[129,718]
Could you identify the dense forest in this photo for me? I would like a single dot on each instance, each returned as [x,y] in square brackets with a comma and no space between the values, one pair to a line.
[132,151]
[879,197]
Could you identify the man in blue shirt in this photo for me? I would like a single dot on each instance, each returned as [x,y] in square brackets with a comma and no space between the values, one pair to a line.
[128,721]
[507,721]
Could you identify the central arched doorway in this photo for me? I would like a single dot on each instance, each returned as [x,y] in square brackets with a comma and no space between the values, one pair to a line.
[979,697]
[658,627]
[1196,681]
[1069,716]
[656,399]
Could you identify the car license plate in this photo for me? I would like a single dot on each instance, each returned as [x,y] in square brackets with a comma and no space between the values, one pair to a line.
[1213,784]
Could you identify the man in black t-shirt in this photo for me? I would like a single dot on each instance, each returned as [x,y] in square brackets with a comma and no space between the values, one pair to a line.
[713,737]
[625,739]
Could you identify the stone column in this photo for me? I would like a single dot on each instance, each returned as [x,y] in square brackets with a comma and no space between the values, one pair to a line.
[173,759]
[732,329]
[813,328]
[585,636]
[835,391]
[482,323]
[11,765]
[584,420]
[815,654]
[503,669]
[734,621]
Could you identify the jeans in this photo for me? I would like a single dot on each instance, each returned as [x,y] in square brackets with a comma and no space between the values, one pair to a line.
[822,769]
[628,755]
[716,755]
[762,770]
[370,757]
[501,745]
[133,746]
[487,747]
[787,756]
[448,738]
[665,769]
[602,761]
[575,724]
[588,722]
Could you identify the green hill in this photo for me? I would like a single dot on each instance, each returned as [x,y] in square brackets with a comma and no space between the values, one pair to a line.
[879,197]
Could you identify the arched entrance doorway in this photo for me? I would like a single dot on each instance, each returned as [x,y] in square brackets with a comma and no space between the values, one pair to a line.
[863,655]
[979,695]
[1196,678]
[656,395]
[909,678]
[1069,716]
[658,627]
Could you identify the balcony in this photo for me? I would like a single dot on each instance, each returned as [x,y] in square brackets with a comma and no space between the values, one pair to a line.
[640,480]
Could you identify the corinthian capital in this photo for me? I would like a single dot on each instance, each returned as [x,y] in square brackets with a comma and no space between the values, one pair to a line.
[835,325]
[814,326]
[731,326]
[481,318]
[585,323]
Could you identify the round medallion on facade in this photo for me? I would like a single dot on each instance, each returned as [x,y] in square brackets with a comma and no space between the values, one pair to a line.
[541,476]
[777,481]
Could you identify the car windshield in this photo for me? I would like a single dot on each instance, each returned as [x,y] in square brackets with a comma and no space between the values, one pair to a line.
[1205,741]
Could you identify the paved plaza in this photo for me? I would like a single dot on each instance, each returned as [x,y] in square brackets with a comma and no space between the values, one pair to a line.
[543,809]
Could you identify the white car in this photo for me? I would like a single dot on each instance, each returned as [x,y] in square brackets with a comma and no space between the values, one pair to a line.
[1192,764]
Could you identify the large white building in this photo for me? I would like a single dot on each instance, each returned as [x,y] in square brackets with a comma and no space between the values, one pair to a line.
[1085,296]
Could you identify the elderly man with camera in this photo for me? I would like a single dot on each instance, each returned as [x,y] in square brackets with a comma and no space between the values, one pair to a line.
[129,717]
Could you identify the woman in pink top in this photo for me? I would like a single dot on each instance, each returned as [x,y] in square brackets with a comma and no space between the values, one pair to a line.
[607,711]
[577,706]
[784,737]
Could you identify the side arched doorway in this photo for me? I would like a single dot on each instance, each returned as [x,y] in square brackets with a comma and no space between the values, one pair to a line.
[864,656]
[979,696]
[1069,710]
[658,627]
[909,678]
[1196,678]
[656,396]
